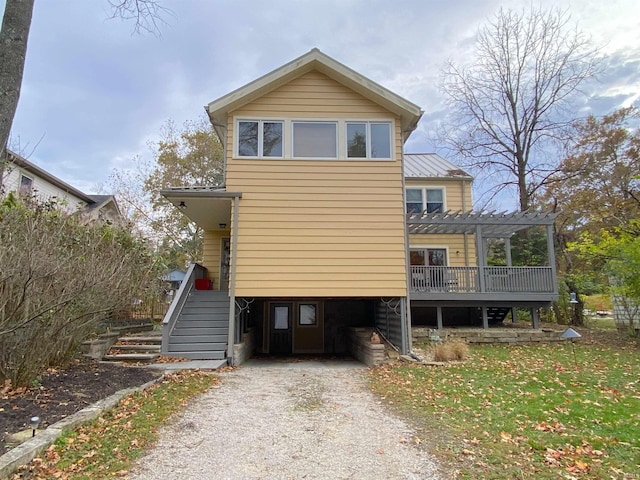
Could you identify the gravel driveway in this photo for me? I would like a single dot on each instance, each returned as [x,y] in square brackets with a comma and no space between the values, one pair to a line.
[287,420]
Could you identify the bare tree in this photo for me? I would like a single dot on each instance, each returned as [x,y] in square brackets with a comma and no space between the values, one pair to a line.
[510,102]
[16,23]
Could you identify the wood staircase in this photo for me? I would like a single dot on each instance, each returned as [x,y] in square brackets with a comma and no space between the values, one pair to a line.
[200,332]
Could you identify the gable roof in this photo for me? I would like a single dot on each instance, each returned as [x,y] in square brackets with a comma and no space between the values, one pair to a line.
[52,179]
[421,166]
[408,112]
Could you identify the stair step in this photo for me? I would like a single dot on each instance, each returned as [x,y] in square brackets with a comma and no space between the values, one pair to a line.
[139,348]
[217,355]
[155,339]
[132,357]
[175,339]
[179,330]
[205,317]
[201,324]
[200,347]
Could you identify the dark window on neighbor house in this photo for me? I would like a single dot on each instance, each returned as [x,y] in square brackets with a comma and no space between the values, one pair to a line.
[26,185]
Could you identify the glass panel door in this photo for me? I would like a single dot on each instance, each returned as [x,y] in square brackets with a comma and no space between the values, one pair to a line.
[280,323]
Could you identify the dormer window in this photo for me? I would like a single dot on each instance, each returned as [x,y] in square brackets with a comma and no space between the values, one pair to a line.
[260,138]
[368,140]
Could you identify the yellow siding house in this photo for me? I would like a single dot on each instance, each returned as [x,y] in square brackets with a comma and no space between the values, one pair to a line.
[307,239]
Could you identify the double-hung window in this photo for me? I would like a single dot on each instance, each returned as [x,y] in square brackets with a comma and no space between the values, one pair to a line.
[260,138]
[425,199]
[368,140]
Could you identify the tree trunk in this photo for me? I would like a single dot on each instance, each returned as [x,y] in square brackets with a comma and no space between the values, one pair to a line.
[13,51]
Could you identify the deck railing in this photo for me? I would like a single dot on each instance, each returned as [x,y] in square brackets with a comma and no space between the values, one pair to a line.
[482,279]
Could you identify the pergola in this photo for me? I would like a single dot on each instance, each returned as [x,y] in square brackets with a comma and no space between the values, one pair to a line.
[486,225]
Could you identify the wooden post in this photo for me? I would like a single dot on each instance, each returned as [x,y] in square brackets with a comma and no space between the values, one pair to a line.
[439,317]
[485,318]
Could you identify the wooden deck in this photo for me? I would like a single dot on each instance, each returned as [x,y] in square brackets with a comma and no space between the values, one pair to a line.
[520,284]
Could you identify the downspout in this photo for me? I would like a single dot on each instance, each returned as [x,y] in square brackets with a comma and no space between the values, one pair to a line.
[405,321]
[232,281]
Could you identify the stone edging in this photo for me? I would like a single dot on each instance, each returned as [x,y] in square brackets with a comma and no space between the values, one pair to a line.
[27,451]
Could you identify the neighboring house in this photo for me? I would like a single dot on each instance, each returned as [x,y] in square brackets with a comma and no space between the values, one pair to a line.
[174,278]
[324,224]
[24,177]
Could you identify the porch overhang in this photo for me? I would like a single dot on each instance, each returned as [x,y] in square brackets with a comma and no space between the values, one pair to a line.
[208,207]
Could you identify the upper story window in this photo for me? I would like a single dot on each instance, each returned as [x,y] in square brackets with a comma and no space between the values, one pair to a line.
[425,199]
[315,139]
[26,185]
[368,140]
[260,138]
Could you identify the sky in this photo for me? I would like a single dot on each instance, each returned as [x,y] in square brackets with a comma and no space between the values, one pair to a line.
[95,95]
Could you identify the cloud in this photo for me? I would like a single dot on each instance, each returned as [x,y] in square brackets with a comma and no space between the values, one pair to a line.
[99,94]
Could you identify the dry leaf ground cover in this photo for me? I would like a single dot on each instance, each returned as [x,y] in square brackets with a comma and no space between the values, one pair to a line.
[528,411]
[106,447]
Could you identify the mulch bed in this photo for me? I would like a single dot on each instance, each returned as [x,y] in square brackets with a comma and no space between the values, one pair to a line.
[63,392]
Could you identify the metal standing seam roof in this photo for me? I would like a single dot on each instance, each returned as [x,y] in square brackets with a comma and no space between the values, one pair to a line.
[431,165]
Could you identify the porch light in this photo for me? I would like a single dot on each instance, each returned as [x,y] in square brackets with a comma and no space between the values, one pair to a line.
[222,225]
[34,423]
[182,205]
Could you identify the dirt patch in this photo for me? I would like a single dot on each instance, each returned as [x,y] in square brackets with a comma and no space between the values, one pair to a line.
[63,392]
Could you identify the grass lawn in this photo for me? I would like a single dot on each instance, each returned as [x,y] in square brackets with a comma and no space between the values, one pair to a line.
[527,411]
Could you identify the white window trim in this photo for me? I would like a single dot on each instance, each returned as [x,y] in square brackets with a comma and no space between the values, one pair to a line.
[368,124]
[260,121]
[287,137]
[424,195]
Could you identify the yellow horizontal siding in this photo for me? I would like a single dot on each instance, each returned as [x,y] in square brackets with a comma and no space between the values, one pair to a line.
[318,227]
[211,255]
[453,242]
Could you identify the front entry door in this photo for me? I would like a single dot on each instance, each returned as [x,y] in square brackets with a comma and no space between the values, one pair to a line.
[280,319]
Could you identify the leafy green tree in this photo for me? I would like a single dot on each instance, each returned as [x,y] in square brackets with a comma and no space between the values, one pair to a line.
[597,193]
[619,251]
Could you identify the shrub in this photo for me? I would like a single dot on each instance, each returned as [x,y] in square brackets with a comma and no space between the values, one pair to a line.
[58,279]
[450,351]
